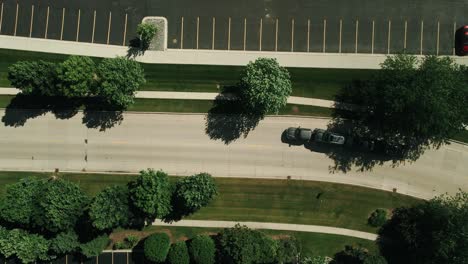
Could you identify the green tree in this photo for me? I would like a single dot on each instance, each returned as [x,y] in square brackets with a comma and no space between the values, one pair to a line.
[377,218]
[156,247]
[118,80]
[110,208]
[351,255]
[34,77]
[61,203]
[178,253]
[95,247]
[243,245]
[76,76]
[64,243]
[203,250]
[265,86]
[26,247]
[19,203]
[288,251]
[195,192]
[147,32]
[151,194]
[430,232]
[409,105]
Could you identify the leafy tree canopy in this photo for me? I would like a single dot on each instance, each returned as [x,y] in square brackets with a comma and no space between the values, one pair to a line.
[151,193]
[61,203]
[409,105]
[75,76]
[19,203]
[110,208]
[34,77]
[118,80]
[95,247]
[431,232]
[196,191]
[26,247]
[265,86]
[63,243]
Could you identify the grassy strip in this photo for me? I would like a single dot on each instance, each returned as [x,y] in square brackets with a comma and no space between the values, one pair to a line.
[307,82]
[313,244]
[462,136]
[281,201]
[196,106]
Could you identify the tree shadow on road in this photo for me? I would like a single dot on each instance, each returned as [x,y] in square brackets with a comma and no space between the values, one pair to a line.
[96,114]
[227,120]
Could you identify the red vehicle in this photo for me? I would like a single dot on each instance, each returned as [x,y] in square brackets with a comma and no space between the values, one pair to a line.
[464,43]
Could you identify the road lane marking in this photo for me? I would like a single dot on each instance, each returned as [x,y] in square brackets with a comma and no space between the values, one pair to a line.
[32,19]
[1,18]
[373,31]
[406,31]
[245,31]
[454,33]
[339,41]
[78,24]
[16,18]
[438,32]
[47,23]
[109,27]
[308,34]
[229,34]
[422,35]
[125,30]
[213,36]
[389,35]
[94,26]
[324,33]
[261,31]
[198,28]
[63,18]
[292,35]
[357,35]
[276,35]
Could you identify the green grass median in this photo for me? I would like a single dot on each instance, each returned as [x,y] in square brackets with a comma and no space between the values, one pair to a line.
[261,200]
[307,82]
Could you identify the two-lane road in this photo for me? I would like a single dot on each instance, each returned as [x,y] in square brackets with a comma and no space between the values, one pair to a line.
[179,145]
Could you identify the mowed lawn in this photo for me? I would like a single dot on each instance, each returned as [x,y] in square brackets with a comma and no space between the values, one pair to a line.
[307,82]
[261,200]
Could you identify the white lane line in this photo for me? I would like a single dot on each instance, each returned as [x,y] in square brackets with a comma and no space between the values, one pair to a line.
[32,19]
[308,34]
[245,31]
[198,29]
[339,41]
[373,32]
[1,18]
[438,33]
[389,35]
[78,24]
[357,36]
[261,31]
[181,32]
[94,27]
[406,31]
[63,19]
[454,33]
[213,37]
[47,23]
[422,36]
[125,30]
[16,18]
[276,35]
[109,27]
[229,34]
[324,33]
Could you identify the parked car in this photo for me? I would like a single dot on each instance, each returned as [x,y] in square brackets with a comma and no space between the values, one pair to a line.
[298,134]
[463,41]
[323,136]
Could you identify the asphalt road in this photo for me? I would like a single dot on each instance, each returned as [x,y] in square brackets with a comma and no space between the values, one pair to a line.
[294,25]
[179,145]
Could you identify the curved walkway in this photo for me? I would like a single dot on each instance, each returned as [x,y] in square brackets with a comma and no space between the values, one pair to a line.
[272,226]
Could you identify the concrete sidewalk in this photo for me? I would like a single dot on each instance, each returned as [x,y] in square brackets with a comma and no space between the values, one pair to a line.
[272,226]
[203,57]
[199,96]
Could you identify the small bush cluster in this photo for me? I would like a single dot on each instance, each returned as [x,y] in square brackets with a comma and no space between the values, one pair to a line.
[128,243]
[377,218]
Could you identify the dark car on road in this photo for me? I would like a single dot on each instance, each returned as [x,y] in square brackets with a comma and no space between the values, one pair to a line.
[324,136]
[298,134]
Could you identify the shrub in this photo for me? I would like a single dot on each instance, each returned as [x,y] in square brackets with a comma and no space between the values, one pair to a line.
[120,245]
[377,218]
[128,243]
[195,191]
[288,251]
[147,32]
[202,250]
[95,247]
[178,254]
[156,247]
